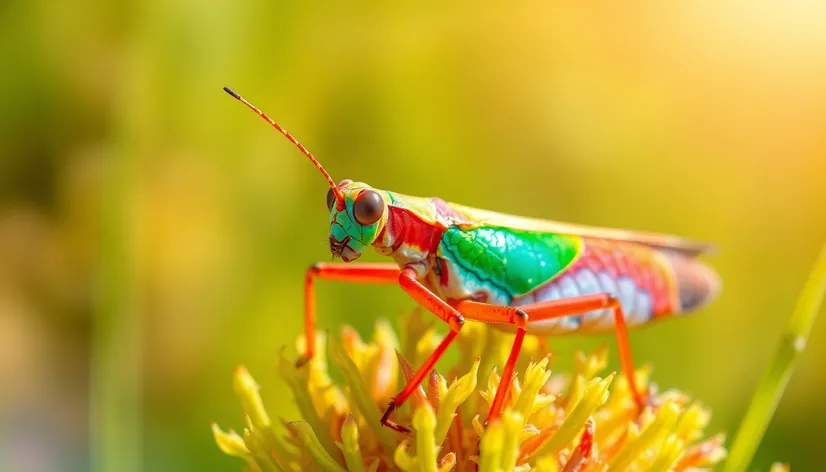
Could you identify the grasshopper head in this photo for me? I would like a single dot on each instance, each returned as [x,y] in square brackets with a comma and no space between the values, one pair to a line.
[355,220]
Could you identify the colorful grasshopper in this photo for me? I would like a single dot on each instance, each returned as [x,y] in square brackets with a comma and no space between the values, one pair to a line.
[532,275]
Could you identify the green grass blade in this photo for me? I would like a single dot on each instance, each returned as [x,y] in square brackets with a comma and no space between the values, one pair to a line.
[776,377]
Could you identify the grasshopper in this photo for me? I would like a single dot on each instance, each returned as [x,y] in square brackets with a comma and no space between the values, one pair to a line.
[520,274]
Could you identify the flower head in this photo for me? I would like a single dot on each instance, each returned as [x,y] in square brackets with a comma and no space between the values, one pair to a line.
[584,421]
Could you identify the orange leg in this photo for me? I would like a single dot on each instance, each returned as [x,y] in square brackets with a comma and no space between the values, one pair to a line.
[350,272]
[382,274]
[543,311]
[448,314]
[584,304]
[488,313]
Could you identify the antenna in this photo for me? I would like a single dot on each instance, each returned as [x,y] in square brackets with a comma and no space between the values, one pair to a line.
[339,196]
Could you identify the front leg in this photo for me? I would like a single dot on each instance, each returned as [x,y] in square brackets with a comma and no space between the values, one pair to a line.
[365,273]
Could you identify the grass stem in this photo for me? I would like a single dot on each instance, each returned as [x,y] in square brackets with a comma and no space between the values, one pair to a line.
[771,386]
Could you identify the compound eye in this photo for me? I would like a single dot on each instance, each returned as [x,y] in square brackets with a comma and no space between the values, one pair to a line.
[331,197]
[368,207]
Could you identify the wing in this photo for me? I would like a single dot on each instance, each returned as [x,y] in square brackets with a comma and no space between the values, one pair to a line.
[662,242]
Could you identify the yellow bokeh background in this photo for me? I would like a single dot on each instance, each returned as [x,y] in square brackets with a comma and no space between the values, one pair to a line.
[154,234]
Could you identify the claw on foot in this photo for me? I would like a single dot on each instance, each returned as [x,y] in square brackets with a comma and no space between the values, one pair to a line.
[385,420]
[302,361]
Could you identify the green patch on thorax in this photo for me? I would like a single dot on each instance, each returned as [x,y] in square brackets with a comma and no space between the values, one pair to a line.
[516,261]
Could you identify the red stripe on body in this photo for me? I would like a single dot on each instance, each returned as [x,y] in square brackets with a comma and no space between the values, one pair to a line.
[408,229]
[605,261]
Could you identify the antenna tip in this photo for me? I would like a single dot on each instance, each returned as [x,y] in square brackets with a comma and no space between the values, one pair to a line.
[232,92]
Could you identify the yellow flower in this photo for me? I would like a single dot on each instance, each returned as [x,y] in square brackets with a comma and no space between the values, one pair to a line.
[585,421]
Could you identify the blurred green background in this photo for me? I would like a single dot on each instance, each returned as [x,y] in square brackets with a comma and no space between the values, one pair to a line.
[154,234]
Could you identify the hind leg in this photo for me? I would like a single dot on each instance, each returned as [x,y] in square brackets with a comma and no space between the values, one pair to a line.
[584,304]
[544,311]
